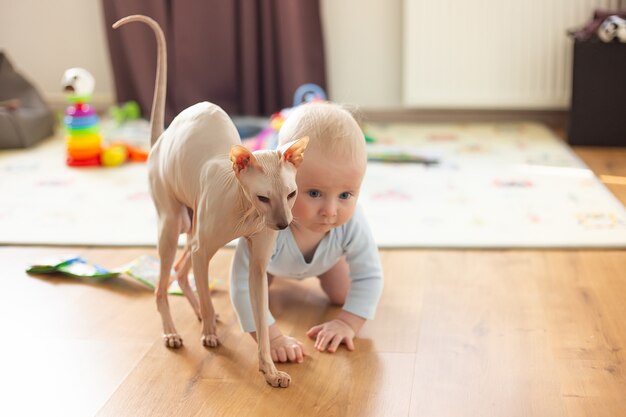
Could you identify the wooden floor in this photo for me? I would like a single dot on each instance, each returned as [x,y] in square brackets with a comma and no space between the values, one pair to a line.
[458,333]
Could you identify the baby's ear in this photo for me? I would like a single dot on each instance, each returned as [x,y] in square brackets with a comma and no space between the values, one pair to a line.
[242,159]
[294,151]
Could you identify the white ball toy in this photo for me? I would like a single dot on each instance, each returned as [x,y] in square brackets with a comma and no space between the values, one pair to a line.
[78,82]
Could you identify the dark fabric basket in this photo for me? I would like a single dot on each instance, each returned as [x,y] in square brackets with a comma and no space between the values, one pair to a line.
[598,107]
[24,116]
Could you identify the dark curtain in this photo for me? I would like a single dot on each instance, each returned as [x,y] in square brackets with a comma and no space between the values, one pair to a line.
[247,56]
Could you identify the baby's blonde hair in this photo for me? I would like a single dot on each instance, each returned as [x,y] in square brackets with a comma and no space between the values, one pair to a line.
[332,130]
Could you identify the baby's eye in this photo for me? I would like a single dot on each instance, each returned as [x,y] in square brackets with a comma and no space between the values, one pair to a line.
[345,195]
[314,193]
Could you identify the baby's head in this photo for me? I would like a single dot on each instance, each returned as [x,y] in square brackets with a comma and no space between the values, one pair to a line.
[330,177]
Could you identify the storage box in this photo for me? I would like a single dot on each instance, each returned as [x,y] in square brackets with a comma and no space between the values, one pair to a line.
[598,107]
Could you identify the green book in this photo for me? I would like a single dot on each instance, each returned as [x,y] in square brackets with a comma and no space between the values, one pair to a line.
[71,265]
[144,269]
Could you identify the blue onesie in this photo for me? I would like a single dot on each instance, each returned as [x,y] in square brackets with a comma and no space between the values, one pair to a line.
[353,239]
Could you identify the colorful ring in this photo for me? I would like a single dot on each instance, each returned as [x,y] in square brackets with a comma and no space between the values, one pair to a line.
[83,162]
[84,153]
[82,131]
[75,122]
[72,98]
[83,142]
[80,110]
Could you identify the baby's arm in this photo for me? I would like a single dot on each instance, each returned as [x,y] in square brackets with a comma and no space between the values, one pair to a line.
[366,285]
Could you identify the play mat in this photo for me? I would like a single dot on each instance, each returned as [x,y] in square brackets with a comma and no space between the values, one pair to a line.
[427,186]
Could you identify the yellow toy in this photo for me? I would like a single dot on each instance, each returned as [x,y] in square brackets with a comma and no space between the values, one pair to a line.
[114,155]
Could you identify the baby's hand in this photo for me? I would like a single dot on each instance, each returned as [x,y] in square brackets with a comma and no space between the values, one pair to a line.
[286,349]
[331,334]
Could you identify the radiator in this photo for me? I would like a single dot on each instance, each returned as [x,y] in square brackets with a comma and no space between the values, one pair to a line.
[491,53]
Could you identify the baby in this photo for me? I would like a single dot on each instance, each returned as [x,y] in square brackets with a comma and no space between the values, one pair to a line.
[329,237]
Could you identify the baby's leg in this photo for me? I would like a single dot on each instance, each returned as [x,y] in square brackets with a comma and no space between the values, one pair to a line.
[336,282]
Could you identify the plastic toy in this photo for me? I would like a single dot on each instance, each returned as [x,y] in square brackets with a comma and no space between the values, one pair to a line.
[114,155]
[127,124]
[84,142]
[125,112]
[83,138]
[308,92]
[268,138]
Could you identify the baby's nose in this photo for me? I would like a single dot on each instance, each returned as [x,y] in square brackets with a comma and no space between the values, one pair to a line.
[329,210]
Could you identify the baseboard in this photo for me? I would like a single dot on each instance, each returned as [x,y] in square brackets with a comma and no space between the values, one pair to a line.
[555,119]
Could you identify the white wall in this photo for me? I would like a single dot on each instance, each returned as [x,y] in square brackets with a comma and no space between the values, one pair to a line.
[363,40]
[363,46]
[44,38]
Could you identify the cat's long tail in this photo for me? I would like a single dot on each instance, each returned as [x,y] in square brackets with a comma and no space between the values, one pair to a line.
[157,116]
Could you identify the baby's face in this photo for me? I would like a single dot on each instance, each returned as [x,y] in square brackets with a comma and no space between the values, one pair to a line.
[328,188]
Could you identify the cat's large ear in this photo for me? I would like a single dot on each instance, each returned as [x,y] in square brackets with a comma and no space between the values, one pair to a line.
[293,152]
[242,159]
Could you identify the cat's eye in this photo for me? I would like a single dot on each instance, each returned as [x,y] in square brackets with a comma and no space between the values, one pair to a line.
[291,195]
[263,199]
